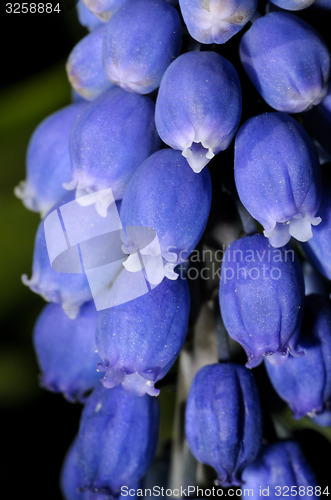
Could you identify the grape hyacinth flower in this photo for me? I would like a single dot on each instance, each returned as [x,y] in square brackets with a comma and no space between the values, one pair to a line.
[318,249]
[280,465]
[277,176]
[261,298]
[293,4]
[104,9]
[166,195]
[69,290]
[71,479]
[216,21]
[85,66]
[304,382]
[48,160]
[141,40]
[198,107]
[116,441]
[86,17]
[287,61]
[66,350]
[323,419]
[318,122]
[112,137]
[223,420]
[140,340]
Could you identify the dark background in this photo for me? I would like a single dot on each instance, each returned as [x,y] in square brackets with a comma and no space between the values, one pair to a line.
[36,426]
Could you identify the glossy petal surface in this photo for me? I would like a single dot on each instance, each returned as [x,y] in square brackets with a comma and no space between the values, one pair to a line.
[117,439]
[139,341]
[141,40]
[198,107]
[287,61]
[223,420]
[261,298]
[277,176]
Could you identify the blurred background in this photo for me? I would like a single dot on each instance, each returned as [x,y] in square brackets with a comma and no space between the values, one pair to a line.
[36,426]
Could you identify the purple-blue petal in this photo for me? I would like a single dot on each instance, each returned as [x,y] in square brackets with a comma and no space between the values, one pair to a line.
[66,350]
[141,40]
[287,61]
[223,421]
[261,298]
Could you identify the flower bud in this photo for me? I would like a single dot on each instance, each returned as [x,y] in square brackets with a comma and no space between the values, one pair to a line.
[116,440]
[198,107]
[304,382]
[48,160]
[292,4]
[223,420]
[219,22]
[104,9]
[318,122]
[85,66]
[155,199]
[287,61]
[277,176]
[69,290]
[71,480]
[112,137]
[66,350]
[318,249]
[279,466]
[86,17]
[323,419]
[261,298]
[141,40]
[139,341]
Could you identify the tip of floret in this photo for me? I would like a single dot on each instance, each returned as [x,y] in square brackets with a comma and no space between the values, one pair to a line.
[299,227]
[71,310]
[134,383]
[26,194]
[197,156]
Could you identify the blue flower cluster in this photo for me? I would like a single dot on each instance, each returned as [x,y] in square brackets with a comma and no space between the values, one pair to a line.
[120,178]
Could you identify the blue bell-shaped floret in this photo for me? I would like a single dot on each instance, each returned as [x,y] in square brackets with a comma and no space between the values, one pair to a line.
[104,9]
[261,298]
[318,122]
[216,21]
[68,285]
[165,195]
[66,350]
[318,249]
[48,160]
[287,61]
[278,467]
[141,40]
[304,382]
[139,341]
[198,107]
[223,420]
[293,4]
[116,441]
[85,66]
[86,17]
[277,176]
[110,140]
[71,480]
[323,419]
